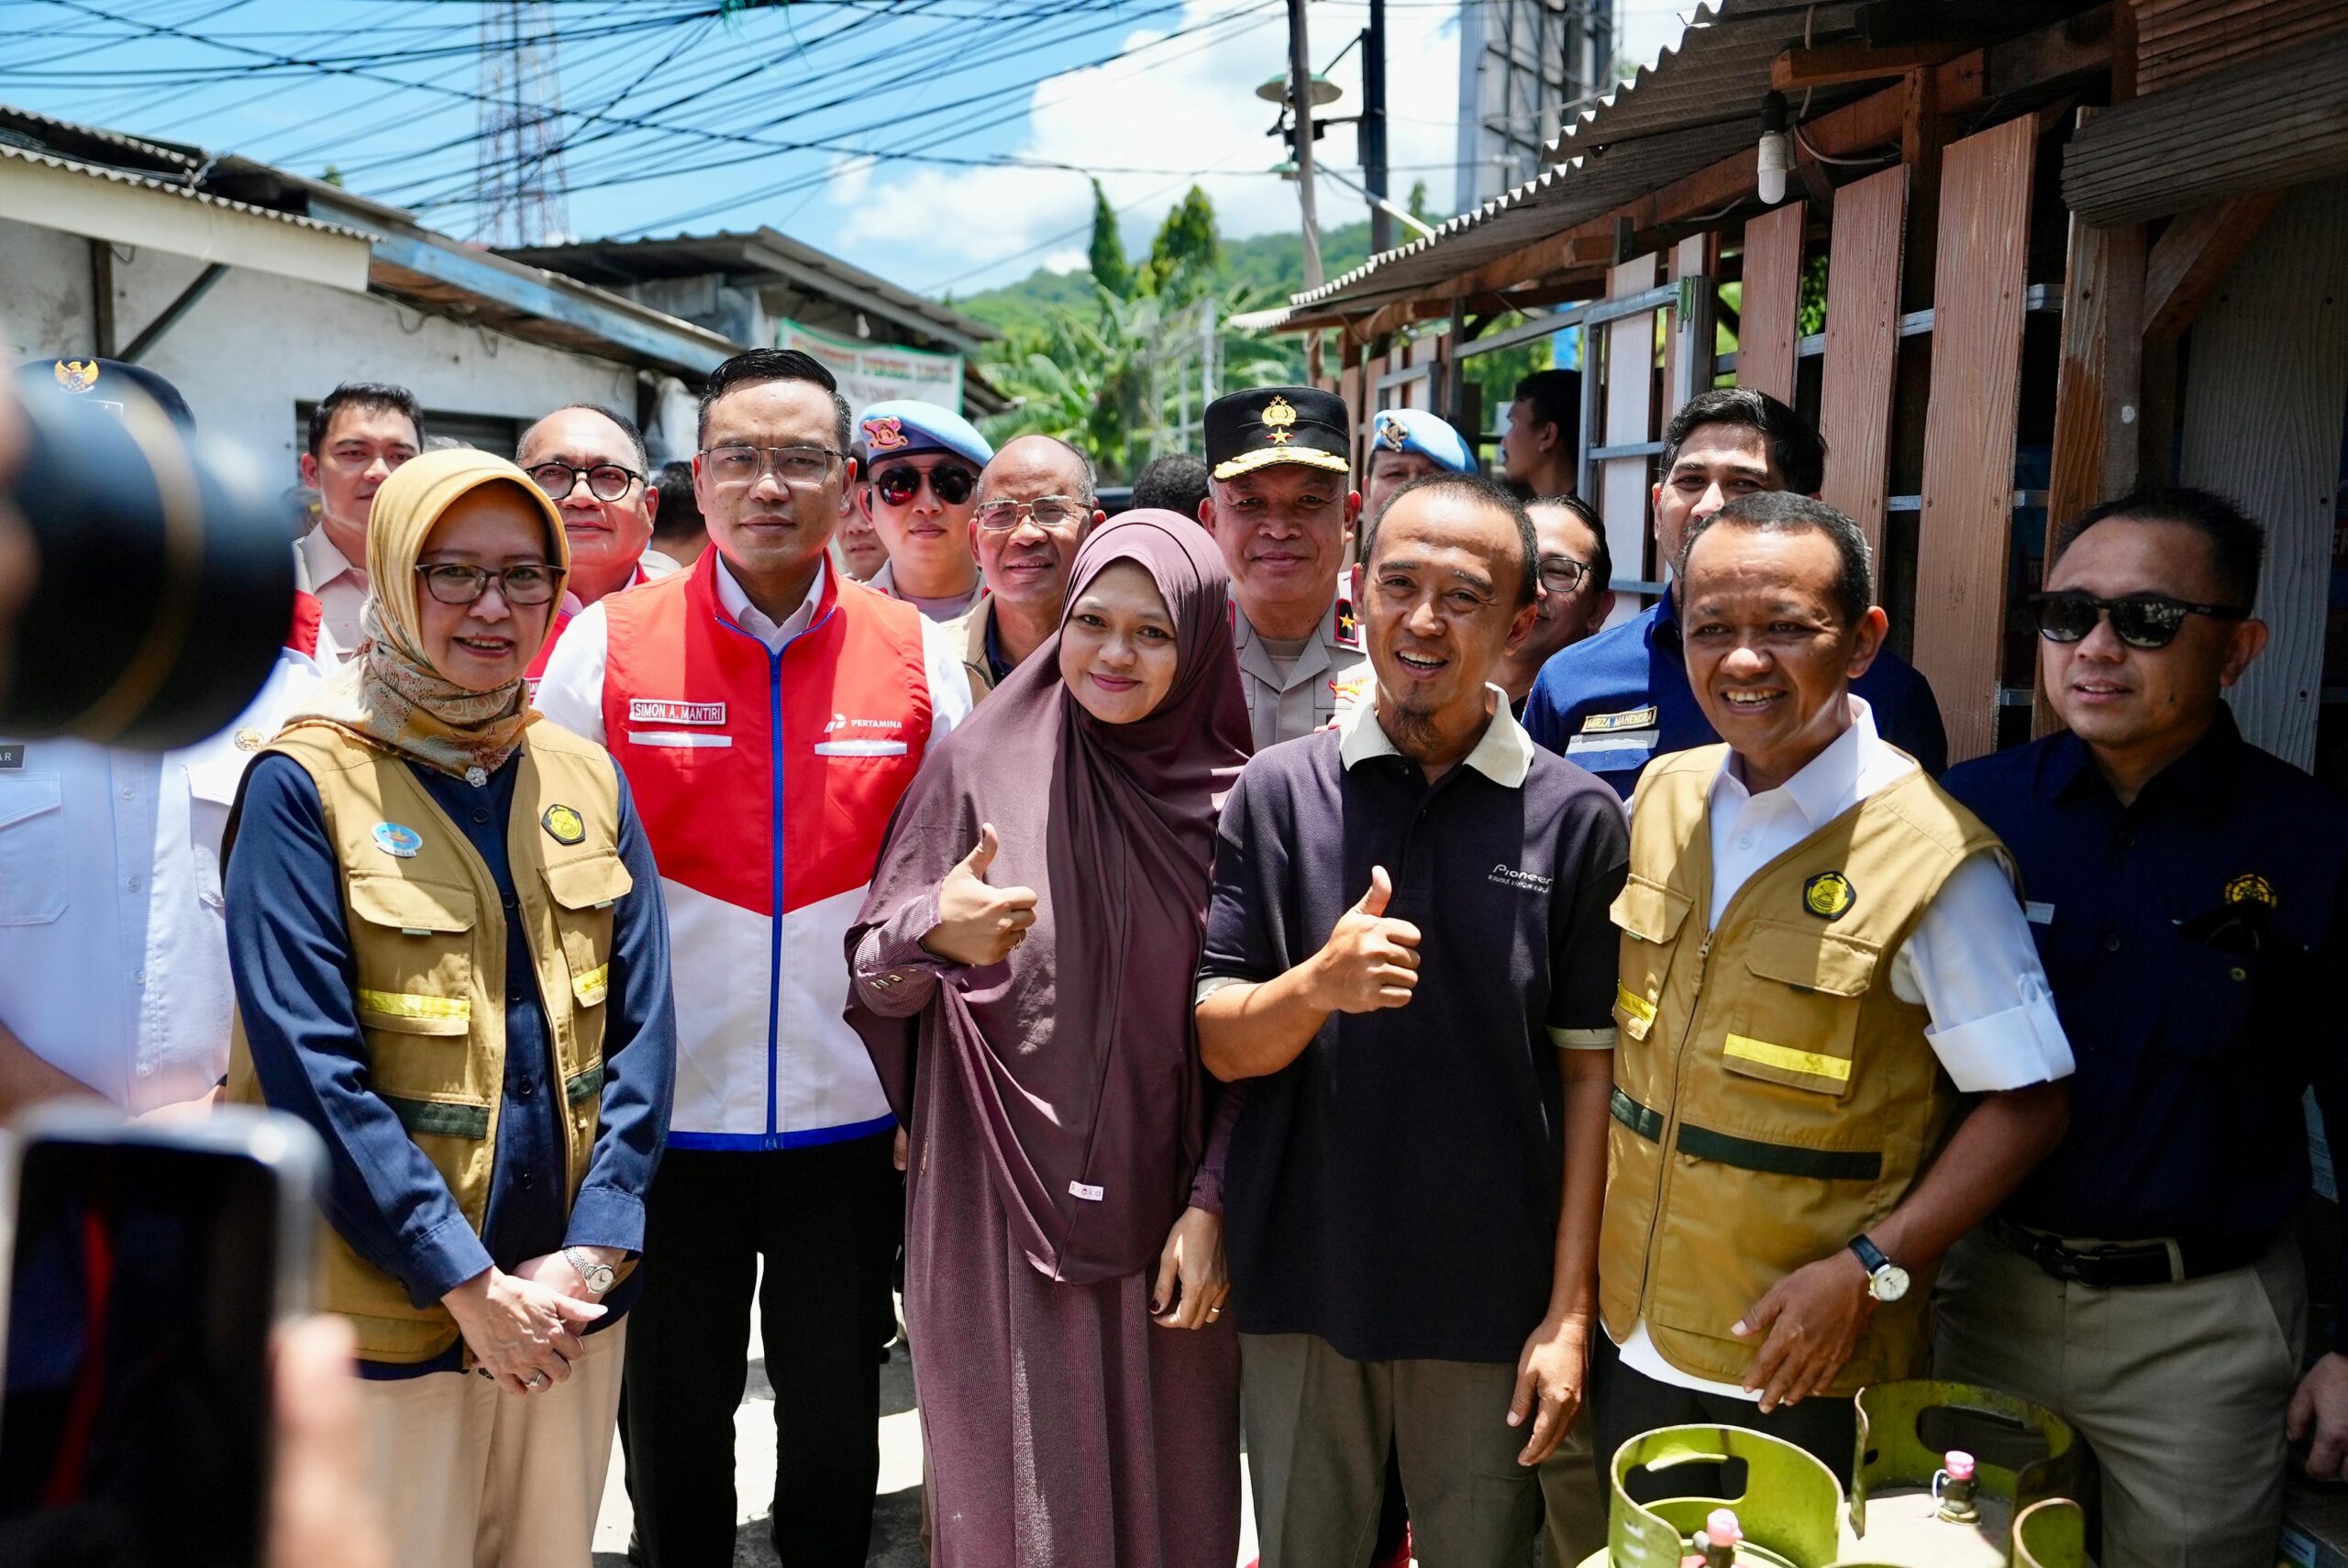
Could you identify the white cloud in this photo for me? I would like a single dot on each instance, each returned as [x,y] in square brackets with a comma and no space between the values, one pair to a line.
[1071,261]
[1187,105]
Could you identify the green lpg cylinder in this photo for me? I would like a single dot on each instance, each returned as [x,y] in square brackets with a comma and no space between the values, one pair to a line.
[1911,1506]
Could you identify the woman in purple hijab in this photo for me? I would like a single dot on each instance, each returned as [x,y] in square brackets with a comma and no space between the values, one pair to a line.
[1036,915]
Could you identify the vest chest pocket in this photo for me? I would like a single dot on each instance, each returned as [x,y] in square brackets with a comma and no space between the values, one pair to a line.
[412,951]
[1798,1017]
[1652,917]
[585,889]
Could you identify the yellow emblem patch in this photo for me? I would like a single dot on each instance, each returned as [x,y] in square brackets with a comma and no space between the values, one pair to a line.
[563,824]
[76,375]
[1829,895]
[1279,415]
[2250,888]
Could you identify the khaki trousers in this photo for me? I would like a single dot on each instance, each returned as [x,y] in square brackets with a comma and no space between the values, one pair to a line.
[470,1476]
[2179,1389]
[1318,1430]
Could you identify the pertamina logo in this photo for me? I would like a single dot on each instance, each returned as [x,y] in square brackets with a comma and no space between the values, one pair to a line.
[842,721]
[661,711]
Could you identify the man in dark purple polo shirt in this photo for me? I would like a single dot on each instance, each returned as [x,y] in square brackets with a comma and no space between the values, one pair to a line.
[1409,962]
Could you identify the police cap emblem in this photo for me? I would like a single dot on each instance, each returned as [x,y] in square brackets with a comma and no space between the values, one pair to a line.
[1829,895]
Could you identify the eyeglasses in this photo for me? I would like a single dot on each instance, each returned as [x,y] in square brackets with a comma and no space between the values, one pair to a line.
[735,467]
[1562,574]
[2139,620]
[532,583]
[1048,510]
[950,482]
[605,481]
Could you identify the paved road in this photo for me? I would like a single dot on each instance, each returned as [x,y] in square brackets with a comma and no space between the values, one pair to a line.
[896,1526]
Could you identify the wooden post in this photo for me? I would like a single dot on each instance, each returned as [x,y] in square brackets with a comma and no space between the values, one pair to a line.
[2263,404]
[1981,271]
[1772,306]
[1863,350]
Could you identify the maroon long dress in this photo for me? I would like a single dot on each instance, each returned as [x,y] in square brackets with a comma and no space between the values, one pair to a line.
[1059,1121]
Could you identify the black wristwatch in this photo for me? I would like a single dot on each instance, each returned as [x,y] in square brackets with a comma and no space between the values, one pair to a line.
[1887,1281]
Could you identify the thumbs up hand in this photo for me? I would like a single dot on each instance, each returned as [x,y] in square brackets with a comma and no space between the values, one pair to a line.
[1370,961]
[978,924]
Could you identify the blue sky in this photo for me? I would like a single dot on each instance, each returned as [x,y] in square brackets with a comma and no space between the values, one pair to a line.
[769,117]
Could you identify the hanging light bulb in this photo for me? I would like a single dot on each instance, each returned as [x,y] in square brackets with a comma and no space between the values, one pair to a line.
[1776,152]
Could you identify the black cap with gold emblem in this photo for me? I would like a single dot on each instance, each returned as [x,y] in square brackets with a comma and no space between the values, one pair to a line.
[1253,429]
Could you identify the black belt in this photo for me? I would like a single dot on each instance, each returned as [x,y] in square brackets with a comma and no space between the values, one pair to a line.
[2119,1264]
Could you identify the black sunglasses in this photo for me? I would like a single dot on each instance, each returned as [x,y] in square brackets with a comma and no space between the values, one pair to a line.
[952,483]
[2139,620]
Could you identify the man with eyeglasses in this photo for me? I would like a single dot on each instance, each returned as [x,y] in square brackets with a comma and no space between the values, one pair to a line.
[768,716]
[1621,698]
[919,491]
[1035,505]
[594,466]
[2187,893]
[1281,508]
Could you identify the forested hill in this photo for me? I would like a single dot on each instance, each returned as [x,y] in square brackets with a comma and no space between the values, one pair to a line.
[1271,265]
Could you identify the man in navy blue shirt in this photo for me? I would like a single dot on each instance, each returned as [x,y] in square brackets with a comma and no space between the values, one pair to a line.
[2187,892]
[1616,702]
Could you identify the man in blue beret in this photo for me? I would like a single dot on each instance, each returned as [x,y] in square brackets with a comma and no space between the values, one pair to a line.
[920,489]
[1406,444]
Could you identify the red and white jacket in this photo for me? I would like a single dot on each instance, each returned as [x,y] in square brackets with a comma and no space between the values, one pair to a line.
[765,762]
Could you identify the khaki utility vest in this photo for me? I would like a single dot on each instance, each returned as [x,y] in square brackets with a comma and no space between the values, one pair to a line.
[1773,1098]
[428,940]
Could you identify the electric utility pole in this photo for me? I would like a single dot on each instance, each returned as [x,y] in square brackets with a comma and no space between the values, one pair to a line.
[1300,98]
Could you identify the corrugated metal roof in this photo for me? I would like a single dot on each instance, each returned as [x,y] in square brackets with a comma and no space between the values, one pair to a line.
[1698,104]
[174,188]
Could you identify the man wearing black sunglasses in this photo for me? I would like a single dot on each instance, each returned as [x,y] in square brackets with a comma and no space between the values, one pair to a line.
[2186,891]
[920,491]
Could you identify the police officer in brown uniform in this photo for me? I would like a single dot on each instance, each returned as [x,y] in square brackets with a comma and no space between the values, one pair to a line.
[1281,505]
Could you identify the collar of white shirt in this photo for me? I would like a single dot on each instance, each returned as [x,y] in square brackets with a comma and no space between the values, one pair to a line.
[753,620]
[1504,755]
[1857,764]
[324,560]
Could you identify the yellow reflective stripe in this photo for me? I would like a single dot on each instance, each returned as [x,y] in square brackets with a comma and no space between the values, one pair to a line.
[406,1004]
[591,987]
[1778,1056]
[1638,1006]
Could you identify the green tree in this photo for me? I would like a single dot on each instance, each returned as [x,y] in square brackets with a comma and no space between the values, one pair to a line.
[1187,253]
[1109,268]
[1417,205]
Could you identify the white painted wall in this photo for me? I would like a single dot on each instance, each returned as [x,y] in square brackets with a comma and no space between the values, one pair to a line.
[256,345]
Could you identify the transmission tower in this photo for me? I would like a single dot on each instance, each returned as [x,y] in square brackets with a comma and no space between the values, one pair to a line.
[518,189]
[1527,69]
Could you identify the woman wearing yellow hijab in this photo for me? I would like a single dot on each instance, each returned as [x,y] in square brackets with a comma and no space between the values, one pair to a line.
[450,959]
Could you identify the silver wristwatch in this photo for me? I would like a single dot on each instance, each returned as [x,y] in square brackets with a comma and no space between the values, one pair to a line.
[599,1277]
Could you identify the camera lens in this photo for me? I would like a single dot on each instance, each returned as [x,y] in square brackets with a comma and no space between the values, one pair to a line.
[163,585]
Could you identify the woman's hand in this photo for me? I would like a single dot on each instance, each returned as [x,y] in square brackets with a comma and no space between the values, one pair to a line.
[978,925]
[1192,1278]
[519,1330]
[557,1272]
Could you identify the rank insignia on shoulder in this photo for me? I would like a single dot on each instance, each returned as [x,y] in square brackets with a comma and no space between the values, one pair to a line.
[1628,718]
[1829,895]
[393,839]
[1348,627]
[563,824]
[2250,888]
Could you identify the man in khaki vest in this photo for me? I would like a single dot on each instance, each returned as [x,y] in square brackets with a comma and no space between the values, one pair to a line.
[1820,951]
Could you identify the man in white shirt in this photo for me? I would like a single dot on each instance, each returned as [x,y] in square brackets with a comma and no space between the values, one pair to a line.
[113,959]
[593,464]
[1789,1158]
[359,433]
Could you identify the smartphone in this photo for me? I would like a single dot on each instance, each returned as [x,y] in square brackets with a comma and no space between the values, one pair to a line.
[147,1266]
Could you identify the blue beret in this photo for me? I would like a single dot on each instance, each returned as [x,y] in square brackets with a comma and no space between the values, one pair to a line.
[1421,430]
[903,426]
